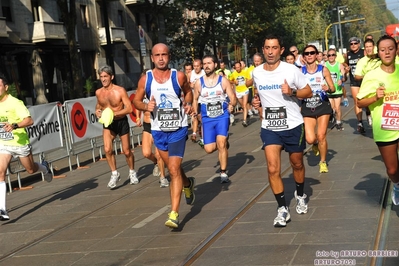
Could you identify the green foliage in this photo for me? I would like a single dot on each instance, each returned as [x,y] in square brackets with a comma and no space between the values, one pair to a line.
[89,85]
[12,90]
[298,22]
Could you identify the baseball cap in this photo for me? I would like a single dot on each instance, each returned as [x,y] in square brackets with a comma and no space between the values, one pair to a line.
[354,39]
[107,116]
[332,46]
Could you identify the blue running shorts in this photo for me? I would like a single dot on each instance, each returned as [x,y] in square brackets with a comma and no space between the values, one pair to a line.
[213,127]
[174,142]
[292,140]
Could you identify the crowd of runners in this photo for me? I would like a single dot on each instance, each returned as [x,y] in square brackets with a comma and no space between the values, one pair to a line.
[296,95]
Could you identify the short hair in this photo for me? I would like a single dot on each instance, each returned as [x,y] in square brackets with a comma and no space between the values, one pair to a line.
[369,40]
[273,37]
[211,56]
[188,64]
[107,69]
[257,54]
[4,79]
[237,62]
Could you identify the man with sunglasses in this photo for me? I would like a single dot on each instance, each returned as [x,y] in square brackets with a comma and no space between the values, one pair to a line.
[298,57]
[354,54]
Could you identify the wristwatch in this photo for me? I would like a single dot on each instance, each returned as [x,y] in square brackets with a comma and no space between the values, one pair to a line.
[15,125]
[294,92]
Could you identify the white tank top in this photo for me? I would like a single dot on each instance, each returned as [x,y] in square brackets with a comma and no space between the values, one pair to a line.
[194,76]
[213,99]
[168,114]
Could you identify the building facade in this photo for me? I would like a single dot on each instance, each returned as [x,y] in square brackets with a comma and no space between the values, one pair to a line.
[34,52]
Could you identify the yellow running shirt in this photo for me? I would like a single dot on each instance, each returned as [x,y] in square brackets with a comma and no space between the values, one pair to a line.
[385,112]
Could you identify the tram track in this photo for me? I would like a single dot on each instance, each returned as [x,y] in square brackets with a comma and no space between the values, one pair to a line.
[199,250]
[380,237]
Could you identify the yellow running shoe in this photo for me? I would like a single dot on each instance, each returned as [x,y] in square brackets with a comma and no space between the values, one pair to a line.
[323,167]
[173,220]
[315,149]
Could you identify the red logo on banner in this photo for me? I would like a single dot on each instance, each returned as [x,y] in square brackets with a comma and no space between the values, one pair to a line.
[78,120]
[133,113]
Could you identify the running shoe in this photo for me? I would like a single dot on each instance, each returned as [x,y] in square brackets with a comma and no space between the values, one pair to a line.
[173,220]
[323,167]
[244,123]
[113,180]
[250,113]
[360,128]
[395,195]
[339,127]
[231,119]
[133,178]
[48,176]
[201,143]
[4,215]
[255,111]
[301,204]
[332,117]
[189,191]
[345,102]
[224,178]
[163,182]
[315,149]
[155,171]
[283,216]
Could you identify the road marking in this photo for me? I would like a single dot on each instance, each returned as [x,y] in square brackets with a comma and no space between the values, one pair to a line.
[152,217]
[210,180]
[257,149]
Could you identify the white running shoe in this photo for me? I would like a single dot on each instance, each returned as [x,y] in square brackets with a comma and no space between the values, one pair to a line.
[156,171]
[283,216]
[224,178]
[164,182]
[133,178]
[113,180]
[301,204]
[232,119]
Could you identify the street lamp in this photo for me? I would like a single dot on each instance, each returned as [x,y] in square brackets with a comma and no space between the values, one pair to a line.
[340,12]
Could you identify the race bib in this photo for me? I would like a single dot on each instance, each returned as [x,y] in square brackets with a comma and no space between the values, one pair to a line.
[313,102]
[390,116]
[214,109]
[169,119]
[276,117]
[4,135]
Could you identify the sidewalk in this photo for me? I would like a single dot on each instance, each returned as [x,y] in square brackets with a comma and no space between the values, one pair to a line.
[79,221]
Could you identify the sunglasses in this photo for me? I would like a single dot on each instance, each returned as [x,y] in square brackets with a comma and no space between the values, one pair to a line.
[331,55]
[310,53]
[293,51]
[354,43]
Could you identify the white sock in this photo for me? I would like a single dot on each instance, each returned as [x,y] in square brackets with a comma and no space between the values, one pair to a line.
[42,168]
[3,192]
[114,173]
[132,171]
[338,121]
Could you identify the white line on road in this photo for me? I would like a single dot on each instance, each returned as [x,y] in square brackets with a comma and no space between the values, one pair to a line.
[152,217]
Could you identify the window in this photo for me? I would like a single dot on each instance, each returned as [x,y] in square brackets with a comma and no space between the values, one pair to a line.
[6,9]
[84,15]
[120,19]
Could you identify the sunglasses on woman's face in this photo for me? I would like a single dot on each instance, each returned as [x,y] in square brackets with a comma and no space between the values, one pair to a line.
[310,53]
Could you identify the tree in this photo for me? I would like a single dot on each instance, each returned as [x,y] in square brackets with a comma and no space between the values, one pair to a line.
[68,16]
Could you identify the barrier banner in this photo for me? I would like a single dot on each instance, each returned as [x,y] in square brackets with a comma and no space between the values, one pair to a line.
[46,132]
[82,120]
